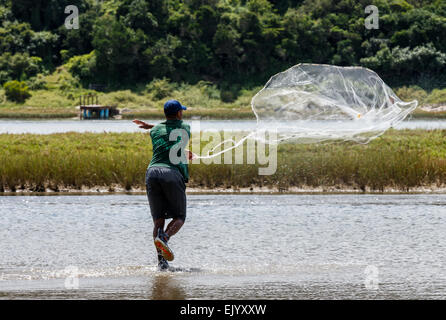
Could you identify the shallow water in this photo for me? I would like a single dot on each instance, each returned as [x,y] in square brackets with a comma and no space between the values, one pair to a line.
[244,247]
[56,126]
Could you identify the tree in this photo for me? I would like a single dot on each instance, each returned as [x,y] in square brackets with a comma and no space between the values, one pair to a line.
[19,66]
[118,49]
[84,67]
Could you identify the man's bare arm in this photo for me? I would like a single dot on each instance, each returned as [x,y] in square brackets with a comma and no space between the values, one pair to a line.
[143,125]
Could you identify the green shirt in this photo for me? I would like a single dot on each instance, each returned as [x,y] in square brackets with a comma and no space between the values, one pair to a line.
[162,145]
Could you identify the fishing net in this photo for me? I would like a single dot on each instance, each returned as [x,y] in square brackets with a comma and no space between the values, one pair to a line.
[311,102]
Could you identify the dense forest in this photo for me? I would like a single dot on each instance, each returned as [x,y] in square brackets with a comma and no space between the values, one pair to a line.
[231,43]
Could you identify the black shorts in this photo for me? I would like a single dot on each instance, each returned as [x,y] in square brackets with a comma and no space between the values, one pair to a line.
[166,192]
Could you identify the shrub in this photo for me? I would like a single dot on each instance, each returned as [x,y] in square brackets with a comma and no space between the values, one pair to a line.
[160,88]
[437,96]
[37,83]
[16,91]
[227,96]
[65,55]
[209,89]
[412,93]
[83,66]
[18,66]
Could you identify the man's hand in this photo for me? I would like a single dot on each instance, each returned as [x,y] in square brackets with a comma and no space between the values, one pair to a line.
[142,124]
[190,154]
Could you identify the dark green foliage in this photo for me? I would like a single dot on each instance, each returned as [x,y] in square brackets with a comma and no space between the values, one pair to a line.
[16,91]
[232,43]
[19,66]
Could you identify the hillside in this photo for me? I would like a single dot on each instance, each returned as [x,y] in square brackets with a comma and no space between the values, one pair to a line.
[211,53]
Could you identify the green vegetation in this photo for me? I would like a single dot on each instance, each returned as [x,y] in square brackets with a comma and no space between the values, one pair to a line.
[211,54]
[16,91]
[399,159]
[61,93]
[56,95]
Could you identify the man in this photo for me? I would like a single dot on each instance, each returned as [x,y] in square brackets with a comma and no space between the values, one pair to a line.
[166,176]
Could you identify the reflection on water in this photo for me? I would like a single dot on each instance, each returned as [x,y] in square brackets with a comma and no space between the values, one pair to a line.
[231,247]
[167,287]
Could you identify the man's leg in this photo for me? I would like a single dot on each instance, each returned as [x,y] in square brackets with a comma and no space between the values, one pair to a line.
[158,207]
[175,192]
[157,223]
[160,240]
[174,226]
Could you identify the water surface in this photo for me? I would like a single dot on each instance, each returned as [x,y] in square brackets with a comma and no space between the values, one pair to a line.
[244,246]
[56,126]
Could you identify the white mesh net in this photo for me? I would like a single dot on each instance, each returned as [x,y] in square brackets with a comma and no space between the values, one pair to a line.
[312,102]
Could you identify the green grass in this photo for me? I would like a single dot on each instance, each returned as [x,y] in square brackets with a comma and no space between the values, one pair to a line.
[402,160]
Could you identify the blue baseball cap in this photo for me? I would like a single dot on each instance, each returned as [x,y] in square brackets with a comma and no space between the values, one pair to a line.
[171,107]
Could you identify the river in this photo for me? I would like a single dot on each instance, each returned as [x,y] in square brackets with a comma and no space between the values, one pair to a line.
[231,247]
[55,126]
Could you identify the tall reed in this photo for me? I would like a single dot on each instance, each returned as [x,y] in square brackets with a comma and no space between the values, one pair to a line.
[401,160]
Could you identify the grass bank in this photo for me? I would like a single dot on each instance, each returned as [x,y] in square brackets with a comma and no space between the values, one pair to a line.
[401,160]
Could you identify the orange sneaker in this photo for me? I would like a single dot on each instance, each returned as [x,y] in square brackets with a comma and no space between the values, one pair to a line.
[161,243]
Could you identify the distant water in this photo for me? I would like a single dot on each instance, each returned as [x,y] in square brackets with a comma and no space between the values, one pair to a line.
[54,126]
[245,247]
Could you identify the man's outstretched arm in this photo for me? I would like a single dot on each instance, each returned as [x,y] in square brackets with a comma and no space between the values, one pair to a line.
[143,125]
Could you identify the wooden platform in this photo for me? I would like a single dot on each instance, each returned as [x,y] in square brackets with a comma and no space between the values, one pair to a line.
[89,110]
